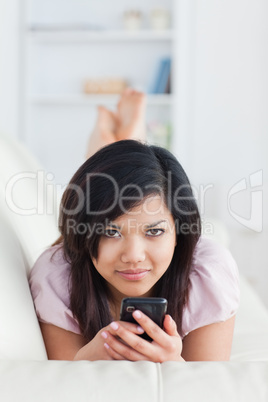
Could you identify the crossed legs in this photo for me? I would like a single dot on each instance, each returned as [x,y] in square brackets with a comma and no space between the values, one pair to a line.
[127,122]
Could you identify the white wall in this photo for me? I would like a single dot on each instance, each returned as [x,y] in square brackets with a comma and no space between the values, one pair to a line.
[226,130]
[9,66]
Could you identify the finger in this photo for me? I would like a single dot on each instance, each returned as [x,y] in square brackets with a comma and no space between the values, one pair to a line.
[131,339]
[151,328]
[170,326]
[121,348]
[112,353]
[136,329]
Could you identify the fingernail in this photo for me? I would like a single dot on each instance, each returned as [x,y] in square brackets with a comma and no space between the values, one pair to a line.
[106,346]
[137,314]
[104,335]
[140,329]
[114,325]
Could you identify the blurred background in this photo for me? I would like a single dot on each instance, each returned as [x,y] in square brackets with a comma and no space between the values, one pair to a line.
[203,64]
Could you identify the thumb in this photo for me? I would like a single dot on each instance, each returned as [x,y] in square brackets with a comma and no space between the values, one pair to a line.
[170,326]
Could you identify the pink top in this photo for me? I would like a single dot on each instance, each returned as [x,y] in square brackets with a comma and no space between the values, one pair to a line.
[213,295]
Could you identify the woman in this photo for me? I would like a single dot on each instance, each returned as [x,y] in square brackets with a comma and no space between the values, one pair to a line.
[130,227]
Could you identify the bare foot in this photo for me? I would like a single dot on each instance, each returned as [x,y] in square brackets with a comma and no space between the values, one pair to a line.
[131,116]
[104,131]
[128,123]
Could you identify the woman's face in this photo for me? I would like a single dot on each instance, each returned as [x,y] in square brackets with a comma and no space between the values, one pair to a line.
[137,249]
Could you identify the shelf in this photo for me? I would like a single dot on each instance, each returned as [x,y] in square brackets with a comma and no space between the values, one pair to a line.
[81,36]
[84,100]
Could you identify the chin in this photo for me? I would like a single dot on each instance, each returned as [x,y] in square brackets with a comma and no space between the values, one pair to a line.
[138,293]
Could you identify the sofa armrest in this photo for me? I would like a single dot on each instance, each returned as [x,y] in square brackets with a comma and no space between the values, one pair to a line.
[20,335]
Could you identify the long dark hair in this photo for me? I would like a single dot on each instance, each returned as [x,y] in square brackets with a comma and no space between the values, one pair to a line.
[92,199]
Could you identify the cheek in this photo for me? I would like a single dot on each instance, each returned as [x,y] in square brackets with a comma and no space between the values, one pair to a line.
[106,254]
[163,255]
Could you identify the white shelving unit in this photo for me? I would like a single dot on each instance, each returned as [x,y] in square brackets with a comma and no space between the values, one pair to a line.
[56,115]
[74,36]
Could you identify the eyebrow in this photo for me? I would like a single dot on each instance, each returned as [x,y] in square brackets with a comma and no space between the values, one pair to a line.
[152,225]
[155,224]
[113,225]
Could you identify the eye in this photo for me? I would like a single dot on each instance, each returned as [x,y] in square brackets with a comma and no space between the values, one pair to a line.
[112,233]
[155,232]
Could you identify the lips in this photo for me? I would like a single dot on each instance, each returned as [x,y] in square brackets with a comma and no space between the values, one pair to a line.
[133,274]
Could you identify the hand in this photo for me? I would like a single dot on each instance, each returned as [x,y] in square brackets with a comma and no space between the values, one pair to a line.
[96,350]
[166,344]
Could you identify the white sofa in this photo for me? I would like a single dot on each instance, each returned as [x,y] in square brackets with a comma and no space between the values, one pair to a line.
[27,375]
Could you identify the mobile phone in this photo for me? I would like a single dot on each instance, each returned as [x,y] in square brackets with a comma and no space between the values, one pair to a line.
[154,307]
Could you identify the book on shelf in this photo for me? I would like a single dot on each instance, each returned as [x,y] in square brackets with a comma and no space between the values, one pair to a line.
[163,77]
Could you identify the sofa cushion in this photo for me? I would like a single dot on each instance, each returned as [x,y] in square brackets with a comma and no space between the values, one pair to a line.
[250,342]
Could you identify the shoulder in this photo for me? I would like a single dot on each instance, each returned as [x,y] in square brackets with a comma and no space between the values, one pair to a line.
[51,270]
[208,251]
[214,286]
[50,287]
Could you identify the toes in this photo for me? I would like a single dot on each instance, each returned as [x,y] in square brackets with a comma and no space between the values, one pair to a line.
[128,91]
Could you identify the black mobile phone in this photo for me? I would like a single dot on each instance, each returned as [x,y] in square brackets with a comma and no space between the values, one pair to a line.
[154,307]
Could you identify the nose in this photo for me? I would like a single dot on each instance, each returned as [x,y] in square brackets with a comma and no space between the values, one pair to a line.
[133,251]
